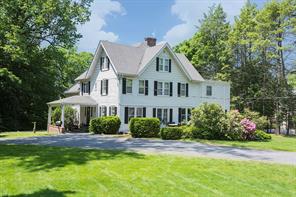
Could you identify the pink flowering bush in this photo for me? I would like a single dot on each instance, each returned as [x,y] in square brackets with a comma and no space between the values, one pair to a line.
[249,127]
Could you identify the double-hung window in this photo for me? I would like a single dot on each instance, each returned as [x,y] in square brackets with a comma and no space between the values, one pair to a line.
[161,64]
[131,112]
[139,112]
[129,86]
[103,111]
[183,89]
[113,110]
[163,88]
[104,88]
[209,91]
[162,115]
[141,86]
[166,65]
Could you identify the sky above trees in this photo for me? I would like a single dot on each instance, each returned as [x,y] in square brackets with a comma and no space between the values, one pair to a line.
[129,21]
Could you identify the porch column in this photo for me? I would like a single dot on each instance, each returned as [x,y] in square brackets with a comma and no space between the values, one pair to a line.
[49,117]
[63,116]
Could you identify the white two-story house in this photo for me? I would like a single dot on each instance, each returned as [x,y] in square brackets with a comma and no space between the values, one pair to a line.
[145,80]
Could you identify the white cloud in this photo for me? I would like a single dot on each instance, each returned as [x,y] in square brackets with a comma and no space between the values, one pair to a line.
[93,31]
[190,12]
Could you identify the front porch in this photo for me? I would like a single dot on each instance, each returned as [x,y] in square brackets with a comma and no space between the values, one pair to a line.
[85,107]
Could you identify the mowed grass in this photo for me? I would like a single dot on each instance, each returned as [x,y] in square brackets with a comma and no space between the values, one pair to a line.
[59,171]
[21,134]
[278,142]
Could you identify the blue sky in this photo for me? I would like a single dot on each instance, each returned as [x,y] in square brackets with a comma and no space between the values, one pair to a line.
[129,21]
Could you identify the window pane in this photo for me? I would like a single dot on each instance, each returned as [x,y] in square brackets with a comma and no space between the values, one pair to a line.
[104,111]
[166,88]
[131,112]
[113,111]
[183,114]
[161,64]
[141,87]
[159,114]
[183,89]
[166,67]
[129,86]
[209,90]
[139,112]
[159,88]
[165,116]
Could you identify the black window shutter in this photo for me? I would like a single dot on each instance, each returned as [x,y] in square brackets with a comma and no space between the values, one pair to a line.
[115,109]
[89,87]
[170,65]
[108,63]
[179,89]
[109,110]
[101,87]
[100,111]
[154,112]
[146,87]
[171,115]
[126,115]
[144,111]
[82,89]
[107,86]
[123,85]
[179,116]
[155,88]
[187,89]
[171,88]
[157,64]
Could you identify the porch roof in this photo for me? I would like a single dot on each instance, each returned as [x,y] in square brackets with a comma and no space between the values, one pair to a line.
[75,100]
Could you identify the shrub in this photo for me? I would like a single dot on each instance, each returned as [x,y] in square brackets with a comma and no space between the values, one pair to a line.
[260,121]
[95,126]
[260,135]
[235,130]
[144,127]
[106,125]
[191,132]
[211,121]
[249,128]
[69,116]
[171,133]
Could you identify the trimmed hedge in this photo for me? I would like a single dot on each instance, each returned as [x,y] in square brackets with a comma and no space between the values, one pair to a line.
[144,127]
[106,125]
[171,133]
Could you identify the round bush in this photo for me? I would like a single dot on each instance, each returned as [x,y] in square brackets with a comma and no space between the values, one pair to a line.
[106,125]
[171,133]
[190,132]
[211,120]
[234,131]
[144,127]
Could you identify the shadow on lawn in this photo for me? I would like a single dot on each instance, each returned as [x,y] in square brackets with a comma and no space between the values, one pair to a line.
[44,192]
[35,158]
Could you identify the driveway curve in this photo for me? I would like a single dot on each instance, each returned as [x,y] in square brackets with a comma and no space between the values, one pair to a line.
[84,140]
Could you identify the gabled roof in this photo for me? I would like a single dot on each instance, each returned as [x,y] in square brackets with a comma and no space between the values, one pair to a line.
[131,60]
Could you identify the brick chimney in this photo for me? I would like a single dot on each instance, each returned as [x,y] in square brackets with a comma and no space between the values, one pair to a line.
[150,41]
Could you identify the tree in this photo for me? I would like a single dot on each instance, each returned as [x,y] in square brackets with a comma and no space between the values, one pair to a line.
[207,49]
[31,33]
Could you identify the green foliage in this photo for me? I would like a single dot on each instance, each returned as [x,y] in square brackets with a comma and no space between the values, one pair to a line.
[260,135]
[69,116]
[56,115]
[171,133]
[207,49]
[106,125]
[260,121]
[144,127]
[210,119]
[191,132]
[31,34]
[234,131]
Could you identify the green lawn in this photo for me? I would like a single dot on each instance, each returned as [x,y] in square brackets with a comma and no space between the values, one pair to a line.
[54,171]
[278,142]
[20,134]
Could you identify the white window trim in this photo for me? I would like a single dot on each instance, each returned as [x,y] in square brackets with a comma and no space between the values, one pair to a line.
[184,86]
[163,59]
[162,115]
[104,87]
[143,87]
[105,64]
[126,86]
[163,88]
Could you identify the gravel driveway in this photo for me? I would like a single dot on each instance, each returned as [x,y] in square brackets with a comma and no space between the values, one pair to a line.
[85,140]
